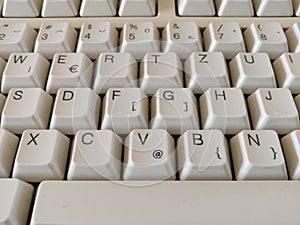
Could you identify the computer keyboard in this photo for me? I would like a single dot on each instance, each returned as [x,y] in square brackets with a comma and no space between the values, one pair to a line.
[149,112]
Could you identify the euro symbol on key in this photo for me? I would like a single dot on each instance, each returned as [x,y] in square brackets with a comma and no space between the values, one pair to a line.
[157,154]
[73,68]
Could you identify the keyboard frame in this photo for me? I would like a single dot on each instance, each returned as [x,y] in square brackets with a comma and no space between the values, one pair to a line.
[166,13]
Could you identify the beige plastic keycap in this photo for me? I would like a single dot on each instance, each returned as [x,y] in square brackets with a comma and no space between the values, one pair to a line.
[169,202]
[15,201]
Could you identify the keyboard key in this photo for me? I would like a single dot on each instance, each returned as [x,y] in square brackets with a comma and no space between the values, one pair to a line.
[182,38]
[174,109]
[225,37]
[224,109]
[250,71]
[26,108]
[75,109]
[97,37]
[257,155]
[287,71]
[55,37]
[203,155]
[15,201]
[292,34]
[139,38]
[196,8]
[149,155]
[159,70]
[25,70]
[69,70]
[241,8]
[290,145]
[137,8]
[2,65]
[115,70]
[124,109]
[204,70]
[266,37]
[42,155]
[8,147]
[95,155]
[296,6]
[98,8]
[60,8]
[185,201]
[273,108]
[20,8]
[273,7]
[297,101]
[16,37]
[2,102]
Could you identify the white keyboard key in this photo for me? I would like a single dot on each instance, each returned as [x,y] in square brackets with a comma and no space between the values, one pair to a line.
[115,70]
[95,155]
[97,37]
[257,155]
[42,155]
[16,37]
[287,71]
[196,8]
[124,109]
[296,6]
[297,101]
[203,155]
[75,109]
[69,70]
[15,201]
[182,38]
[273,7]
[20,8]
[250,71]
[174,109]
[55,37]
[139,38]
[2,102]
[159,70]
[2,65]
[225,37]
[26,108]
[98,8]
[266,37]
[291,151]
[274,109]
[25,70]
[271,202]
[137,8]
[60,8]
[149,155]
[224,109]
[240,8]
[204,70]
[293,36]
[8,148]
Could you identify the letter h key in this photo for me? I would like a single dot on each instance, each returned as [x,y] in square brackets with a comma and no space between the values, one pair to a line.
[224,109]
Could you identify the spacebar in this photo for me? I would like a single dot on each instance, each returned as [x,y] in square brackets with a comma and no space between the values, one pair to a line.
[167,203]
